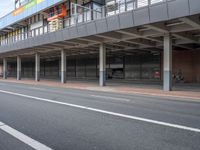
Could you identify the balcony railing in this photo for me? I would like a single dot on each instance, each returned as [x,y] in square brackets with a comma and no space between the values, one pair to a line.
[80,14]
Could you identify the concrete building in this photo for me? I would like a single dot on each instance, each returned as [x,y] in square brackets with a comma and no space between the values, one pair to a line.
[148,40]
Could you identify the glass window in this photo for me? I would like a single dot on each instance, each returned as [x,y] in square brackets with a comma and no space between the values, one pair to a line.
[142,3]
[129,5]
[111,7]
[32,33]
[121,4]
[45,29]
[156,1]
[97,11]
[72,20]
[80,15]
[87,15]
[36,32]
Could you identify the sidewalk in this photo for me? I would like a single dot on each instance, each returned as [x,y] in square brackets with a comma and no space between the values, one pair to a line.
[188,92]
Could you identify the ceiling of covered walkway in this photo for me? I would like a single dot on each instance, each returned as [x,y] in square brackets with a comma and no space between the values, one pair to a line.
[146,38]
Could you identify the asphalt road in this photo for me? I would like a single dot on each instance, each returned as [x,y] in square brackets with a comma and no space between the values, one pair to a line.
[69,119]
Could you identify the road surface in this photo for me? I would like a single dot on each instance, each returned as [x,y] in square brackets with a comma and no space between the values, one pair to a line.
[46,118]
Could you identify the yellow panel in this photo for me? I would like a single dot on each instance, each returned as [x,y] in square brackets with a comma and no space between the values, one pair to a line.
[39,1]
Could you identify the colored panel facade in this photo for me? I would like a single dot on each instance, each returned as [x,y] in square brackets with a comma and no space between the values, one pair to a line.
[28,10]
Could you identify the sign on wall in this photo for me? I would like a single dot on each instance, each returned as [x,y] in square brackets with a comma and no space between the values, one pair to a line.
[26,6]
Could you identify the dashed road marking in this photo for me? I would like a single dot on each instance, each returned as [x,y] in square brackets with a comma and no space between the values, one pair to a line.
[112,98]
[36,88]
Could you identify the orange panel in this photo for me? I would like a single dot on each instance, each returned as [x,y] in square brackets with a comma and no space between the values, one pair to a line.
[61,15]
[18,11]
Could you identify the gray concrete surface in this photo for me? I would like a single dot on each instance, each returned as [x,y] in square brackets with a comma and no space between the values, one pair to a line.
[67,128]
[7,142]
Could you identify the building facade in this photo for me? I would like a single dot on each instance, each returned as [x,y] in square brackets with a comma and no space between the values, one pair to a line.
[148,40]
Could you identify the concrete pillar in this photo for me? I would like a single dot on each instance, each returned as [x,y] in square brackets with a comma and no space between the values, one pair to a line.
[102,65]
[19,68]
[167,62]
[63,66]
[37,67]
[5,68]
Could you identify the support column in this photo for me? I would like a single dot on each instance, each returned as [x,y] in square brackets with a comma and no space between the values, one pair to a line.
[102,65]
[63,66]
[19,68]
[167,62]
[37,67]
[5,68]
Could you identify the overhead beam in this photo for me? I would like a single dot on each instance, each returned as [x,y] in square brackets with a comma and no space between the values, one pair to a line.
[194,22]
[89,40]
[165,30]
[158,27]
[108,37]
[142,42]
[140,35]
[130,32]
[187,36]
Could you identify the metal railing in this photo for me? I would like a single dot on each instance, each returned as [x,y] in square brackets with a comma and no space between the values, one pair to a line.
[80,14]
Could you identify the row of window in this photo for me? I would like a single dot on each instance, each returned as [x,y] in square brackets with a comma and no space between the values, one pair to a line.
[22,34]
[14,36]
[118,6]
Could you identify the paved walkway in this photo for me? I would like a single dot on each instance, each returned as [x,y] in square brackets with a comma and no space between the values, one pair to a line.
[188,91]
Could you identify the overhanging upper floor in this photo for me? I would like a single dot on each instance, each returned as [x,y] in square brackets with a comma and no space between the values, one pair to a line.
[140,28]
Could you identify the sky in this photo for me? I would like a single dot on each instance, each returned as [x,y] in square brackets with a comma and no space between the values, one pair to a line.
[6,6]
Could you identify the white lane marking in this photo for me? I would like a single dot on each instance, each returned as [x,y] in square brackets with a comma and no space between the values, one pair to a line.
[113,98]
[1,123]
[106,112]
[24,138]
[36,88]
